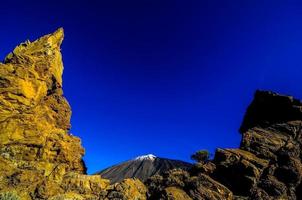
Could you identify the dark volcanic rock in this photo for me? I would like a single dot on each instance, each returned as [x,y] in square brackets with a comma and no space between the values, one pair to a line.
[266,166]
[270,108]
[180,185]
[237,169]
[271,132]
[141,168]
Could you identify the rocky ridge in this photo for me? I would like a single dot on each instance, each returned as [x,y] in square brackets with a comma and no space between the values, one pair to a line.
[40,159]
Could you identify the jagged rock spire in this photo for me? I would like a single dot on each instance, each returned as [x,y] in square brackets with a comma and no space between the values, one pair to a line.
[39,159]
[44,53]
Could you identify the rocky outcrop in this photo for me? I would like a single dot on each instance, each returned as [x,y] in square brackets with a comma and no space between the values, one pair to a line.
[178,184]
[272,131]
[35,145]
[39,158]
[266,166]
[268,163]
[125,190]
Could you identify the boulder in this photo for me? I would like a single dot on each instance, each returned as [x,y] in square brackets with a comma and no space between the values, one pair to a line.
[174,193]
[237,169]
[128,189]
[203,187]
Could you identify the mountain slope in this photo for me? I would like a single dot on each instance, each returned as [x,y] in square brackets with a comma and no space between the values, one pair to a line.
[142,168]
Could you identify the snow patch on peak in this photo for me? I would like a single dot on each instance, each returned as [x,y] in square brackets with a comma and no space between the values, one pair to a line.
[146,157]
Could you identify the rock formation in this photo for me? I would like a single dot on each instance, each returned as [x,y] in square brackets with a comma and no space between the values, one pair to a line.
[271,145]
[267,165]
[40,159]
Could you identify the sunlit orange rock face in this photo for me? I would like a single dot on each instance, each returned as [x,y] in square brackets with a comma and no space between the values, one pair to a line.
[35,117]
[39,158]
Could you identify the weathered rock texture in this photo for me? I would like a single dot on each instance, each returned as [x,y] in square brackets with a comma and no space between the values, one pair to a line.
[39,159]
[267,165]
[271,131]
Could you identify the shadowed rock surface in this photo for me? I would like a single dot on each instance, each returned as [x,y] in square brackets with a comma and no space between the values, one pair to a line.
[267,165]
[142,168]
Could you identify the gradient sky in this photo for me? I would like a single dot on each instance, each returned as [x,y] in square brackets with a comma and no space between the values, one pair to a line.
[166,77]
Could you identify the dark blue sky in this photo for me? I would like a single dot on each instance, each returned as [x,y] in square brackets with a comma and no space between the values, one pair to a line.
[159,76]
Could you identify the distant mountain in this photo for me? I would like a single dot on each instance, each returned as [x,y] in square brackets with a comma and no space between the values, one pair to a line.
[141,167]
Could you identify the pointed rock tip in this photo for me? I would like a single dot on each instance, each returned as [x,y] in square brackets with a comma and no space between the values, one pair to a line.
[46,43]
[49,41]
[59,31]
[46,50]
[54,39]
[58,34]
